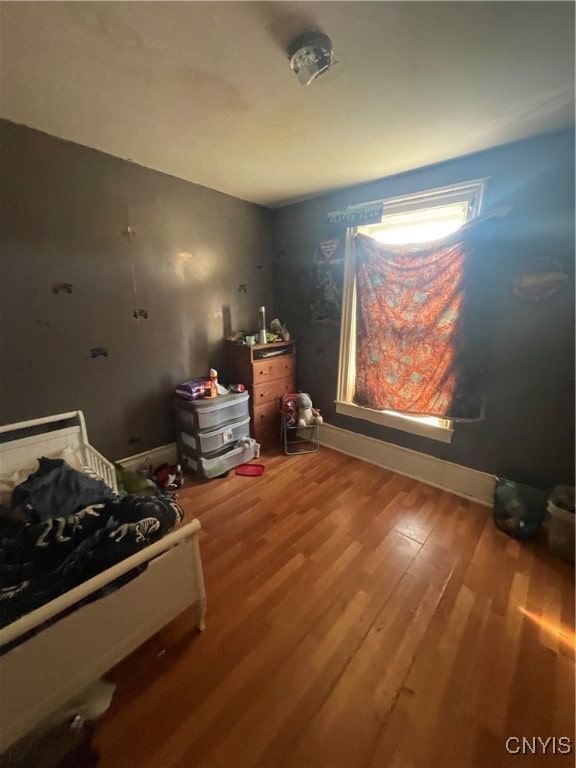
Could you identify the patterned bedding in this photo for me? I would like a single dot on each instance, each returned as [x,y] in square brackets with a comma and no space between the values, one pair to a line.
[63,527]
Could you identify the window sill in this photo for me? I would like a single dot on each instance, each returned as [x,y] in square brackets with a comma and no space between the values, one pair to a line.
[395,421]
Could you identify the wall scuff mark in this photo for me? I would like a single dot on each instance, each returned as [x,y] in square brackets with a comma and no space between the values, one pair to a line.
[98,352]
[129,233]
[140,313]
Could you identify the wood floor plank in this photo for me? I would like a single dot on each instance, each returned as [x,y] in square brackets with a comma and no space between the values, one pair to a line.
[355,618]
[344,729]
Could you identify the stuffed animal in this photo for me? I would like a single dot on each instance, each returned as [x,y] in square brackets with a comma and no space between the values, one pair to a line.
[306,415]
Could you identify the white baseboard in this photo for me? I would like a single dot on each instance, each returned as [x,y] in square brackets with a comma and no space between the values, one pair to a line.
[164,454]
[463,481]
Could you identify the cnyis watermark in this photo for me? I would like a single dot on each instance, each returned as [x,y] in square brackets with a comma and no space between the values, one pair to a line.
[539,745]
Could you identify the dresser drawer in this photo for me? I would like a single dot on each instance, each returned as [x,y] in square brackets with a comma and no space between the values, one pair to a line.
[266,425]
[266,414]
[269,438]
[271,391]
[268,370]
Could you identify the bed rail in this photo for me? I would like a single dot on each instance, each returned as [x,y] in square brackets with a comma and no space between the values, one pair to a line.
[44,669]
[52,654]
[26,441]
[52,609]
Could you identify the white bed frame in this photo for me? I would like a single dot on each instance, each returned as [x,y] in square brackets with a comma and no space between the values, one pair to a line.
[62,659]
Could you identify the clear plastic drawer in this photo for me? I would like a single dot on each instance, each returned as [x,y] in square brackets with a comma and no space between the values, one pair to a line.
[215,440]
[223,462]
[209,414]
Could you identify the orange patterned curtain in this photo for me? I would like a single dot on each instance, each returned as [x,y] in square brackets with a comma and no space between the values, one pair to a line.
[410,346]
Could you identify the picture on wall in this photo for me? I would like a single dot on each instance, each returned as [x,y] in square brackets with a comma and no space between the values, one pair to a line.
[328,281]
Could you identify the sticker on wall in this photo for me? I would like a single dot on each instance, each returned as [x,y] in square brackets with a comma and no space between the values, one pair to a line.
[539,279]
[329,249]
[328,281]
[65,287]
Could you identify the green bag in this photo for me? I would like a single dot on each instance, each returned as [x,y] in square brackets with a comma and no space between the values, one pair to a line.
[519,510]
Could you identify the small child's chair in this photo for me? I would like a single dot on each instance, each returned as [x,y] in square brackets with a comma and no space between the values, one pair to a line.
[296,439]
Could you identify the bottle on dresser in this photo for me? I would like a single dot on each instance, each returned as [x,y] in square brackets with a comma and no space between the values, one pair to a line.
[261,325]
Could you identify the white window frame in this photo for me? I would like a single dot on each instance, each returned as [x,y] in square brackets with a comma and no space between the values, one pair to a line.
[472,194]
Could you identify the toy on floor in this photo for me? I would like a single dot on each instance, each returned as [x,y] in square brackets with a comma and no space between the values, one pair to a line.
[168,476]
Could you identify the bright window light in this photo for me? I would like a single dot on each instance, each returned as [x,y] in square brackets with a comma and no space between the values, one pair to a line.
[419,226]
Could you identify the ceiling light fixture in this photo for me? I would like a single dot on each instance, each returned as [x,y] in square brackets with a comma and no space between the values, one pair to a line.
[311,54]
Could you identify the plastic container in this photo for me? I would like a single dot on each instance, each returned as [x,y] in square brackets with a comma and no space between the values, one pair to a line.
[262,325]
[214,440]
[223,462]
[210,391]
[250,470]
[210,414]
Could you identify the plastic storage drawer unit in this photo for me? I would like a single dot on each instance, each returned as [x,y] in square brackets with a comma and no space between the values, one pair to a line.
[214,440]
[209,432]
[210,414]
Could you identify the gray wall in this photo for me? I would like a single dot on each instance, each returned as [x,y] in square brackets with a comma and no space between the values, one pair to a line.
[63,209]
[530,379]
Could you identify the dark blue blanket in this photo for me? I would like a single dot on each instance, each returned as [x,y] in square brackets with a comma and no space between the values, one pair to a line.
[41,560]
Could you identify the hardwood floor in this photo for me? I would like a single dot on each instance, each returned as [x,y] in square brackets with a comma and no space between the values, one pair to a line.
[355,618]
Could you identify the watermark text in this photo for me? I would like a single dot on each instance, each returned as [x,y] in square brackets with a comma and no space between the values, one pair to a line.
[539,745]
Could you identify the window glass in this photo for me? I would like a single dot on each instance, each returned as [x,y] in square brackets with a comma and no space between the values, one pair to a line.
[418,226]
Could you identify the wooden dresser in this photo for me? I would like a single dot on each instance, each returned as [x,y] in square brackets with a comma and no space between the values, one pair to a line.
[268,371]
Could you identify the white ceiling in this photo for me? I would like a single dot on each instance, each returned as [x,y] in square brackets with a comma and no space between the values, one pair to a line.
[204,90]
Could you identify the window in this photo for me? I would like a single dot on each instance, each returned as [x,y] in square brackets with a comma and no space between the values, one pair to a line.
[419,218]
